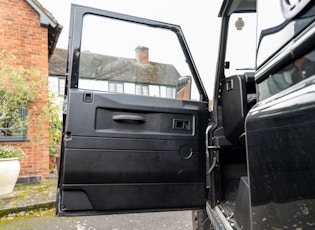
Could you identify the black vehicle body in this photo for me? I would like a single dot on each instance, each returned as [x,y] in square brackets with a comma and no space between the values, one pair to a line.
[249,163]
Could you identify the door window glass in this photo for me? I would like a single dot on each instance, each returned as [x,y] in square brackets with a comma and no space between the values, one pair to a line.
[295,72]
[274,30]
[123,57]
[241,44]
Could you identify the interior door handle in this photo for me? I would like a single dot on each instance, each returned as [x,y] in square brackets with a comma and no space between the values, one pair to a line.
[129,118]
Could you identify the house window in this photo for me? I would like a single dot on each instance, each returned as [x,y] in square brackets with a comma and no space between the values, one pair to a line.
[13,128]
[116,87]
[170,92]
[142,89]
[155,90]
[61,86]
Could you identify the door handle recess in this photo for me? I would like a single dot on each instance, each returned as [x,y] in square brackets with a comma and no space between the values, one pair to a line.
[129,118]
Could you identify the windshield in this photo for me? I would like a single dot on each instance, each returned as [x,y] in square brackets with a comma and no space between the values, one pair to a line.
[241,44]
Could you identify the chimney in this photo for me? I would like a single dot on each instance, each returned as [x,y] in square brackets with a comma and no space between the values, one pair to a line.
[142,54]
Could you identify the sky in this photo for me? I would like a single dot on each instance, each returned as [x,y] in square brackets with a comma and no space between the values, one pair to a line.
[198,20]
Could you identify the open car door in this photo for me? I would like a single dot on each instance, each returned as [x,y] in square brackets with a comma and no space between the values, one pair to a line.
[134,125]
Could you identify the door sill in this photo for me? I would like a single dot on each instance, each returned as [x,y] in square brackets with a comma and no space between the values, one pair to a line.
[218,219]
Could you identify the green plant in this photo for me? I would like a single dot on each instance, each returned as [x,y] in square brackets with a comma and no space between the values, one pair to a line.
[19,87]
[11,152]
[55,123]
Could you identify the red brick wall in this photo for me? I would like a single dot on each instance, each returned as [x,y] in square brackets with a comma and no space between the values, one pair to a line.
[22,35]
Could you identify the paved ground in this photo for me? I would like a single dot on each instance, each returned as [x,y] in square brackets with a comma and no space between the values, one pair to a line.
[26,197]
[152,221]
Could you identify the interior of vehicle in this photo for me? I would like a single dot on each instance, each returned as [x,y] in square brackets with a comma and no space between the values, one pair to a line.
[236,94]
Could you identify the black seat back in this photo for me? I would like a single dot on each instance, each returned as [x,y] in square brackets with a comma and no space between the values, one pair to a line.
[235,104]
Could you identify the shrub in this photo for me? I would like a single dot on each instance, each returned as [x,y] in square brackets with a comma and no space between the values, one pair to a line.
[55,123]
[19,87]
[11,152]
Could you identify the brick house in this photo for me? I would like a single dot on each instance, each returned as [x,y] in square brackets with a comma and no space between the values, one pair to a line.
[30,33]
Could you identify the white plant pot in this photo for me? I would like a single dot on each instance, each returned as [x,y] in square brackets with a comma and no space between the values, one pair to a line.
[9,171]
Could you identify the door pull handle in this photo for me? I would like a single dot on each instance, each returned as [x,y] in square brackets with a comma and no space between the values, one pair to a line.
[129,118]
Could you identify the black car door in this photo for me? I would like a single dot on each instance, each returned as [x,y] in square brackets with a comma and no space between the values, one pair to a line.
[134,123]
[280,132]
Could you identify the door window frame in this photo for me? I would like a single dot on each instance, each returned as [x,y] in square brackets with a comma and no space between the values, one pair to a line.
[75,36]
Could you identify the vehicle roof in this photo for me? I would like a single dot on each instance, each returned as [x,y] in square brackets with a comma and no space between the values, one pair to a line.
[229,7]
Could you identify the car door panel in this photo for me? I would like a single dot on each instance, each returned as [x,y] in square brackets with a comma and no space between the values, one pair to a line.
[280,139]
[128,148]
[115,166]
